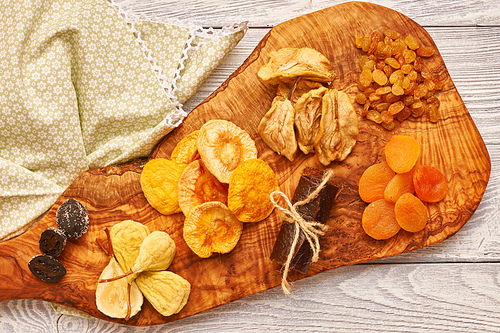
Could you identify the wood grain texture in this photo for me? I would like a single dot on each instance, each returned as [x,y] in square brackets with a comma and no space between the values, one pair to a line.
[120,196]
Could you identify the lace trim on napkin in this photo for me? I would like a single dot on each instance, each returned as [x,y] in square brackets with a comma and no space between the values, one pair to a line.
[195,32]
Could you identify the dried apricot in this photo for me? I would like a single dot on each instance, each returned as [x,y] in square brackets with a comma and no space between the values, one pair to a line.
[430,184]
[251,184]
[411,213]
[197,185]
[400,184]
[211,227]
[186,150]
[222,146]
[373,182]
[159,180]
[401,153]
[379,220]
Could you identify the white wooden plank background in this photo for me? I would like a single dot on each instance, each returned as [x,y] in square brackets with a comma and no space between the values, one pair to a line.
[453,286]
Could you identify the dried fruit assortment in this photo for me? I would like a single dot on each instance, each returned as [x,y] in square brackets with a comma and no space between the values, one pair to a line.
[142,257]
[389,188]
[304,112]
[395,81]
[224,185]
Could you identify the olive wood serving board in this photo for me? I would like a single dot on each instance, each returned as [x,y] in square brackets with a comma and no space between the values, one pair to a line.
[113,194]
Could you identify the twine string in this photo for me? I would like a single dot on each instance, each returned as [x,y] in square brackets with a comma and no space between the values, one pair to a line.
[312,230]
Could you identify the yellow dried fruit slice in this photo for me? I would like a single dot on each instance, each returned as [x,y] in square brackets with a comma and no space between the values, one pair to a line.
[197,185]
[251,184]
[166,291]
[186,150]
[112,298]
[211,227]
[156,253]
[159,180]
[222,146]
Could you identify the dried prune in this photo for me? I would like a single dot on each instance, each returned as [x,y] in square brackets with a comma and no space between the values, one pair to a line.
[72,218]
[46,268]
[52,241]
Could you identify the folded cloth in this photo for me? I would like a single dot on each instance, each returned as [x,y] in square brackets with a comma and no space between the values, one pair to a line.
[86,85]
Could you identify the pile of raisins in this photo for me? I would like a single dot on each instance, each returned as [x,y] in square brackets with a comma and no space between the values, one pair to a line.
[395,83]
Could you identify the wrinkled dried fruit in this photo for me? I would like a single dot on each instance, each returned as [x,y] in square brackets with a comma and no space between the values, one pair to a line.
[373,182]
[186,151]
[276,128]
[222,146]
[430,184]
[167,292]
[52,241]
[156,253]
[112,298]
[411,213]
[46,268]
[72,218]
[159,180]
[400,184]
[251,184]
[379,220]
[197,185]
[290,63]
[401,153]
[294,90]
[211,227]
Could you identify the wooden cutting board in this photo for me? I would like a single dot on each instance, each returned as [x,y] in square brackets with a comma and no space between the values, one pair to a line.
[113,194]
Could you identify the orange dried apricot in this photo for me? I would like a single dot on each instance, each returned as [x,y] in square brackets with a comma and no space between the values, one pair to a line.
[430,184]
[379,220]
[186,150]
[400,184]
[373,182]
[159,180]
[197,185]
[211,227]
[250,186]
[401,153]
[411,213]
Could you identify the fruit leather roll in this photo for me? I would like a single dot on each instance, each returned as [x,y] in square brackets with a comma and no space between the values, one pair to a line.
[318,209]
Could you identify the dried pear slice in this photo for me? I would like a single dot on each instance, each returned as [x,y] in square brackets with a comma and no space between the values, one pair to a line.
[276,128]
[251,184]
[308,117]
[126,238]
[159,179]
[156,253]
[300,88]
[166,291]
[186,151]
[211,227]
[222,146]
[112,298]
[348,124]
[329,132]
[197,185]
[289,63]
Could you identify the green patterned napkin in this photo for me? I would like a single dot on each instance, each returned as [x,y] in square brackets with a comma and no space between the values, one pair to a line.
[85,85]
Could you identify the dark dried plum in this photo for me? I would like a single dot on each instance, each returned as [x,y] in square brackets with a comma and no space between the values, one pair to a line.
[46,268]
[52,241]
[72,218]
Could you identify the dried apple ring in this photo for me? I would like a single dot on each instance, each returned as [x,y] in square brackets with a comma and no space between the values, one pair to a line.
[211,227]
[197,185]
[251,184]
[186,150]
[222,146]
[159,180]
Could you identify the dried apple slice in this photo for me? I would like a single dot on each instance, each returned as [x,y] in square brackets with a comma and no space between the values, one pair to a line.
[251,184]
[197,185]
[222,146]
[211,227]
[159,180]
[186,150]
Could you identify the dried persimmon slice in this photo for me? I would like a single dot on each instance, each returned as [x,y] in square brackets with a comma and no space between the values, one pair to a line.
[159,180]
[197,185]
[186,150]
[222,146]
[251,184]
[211,227]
